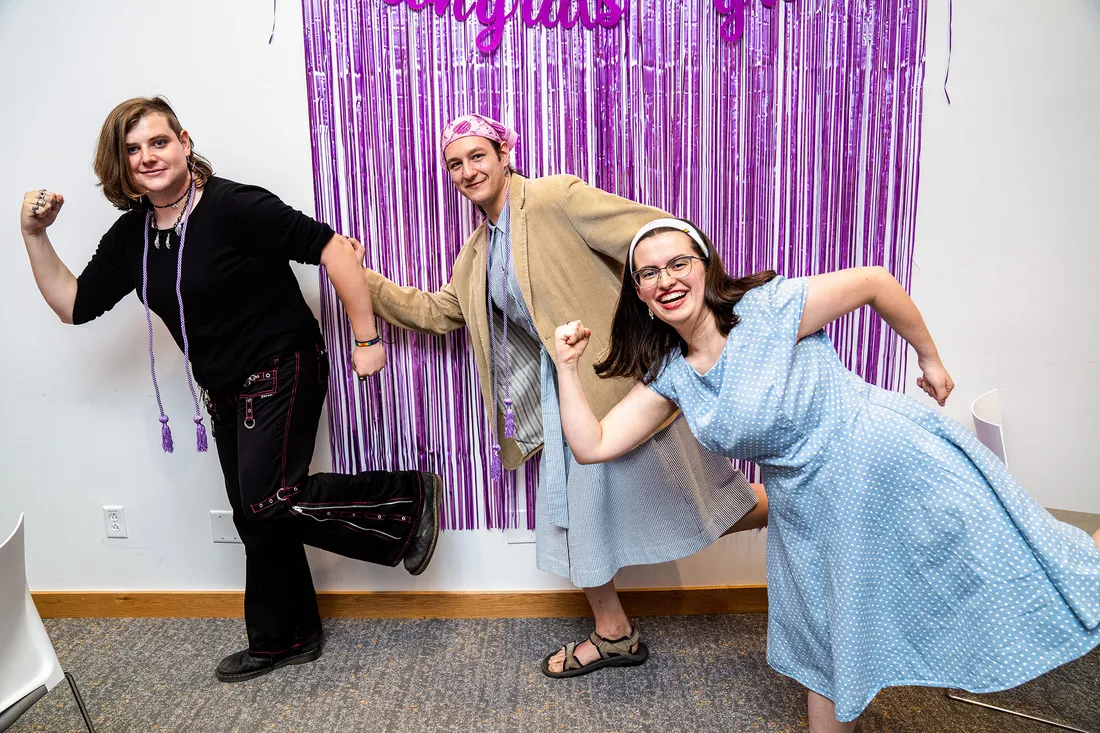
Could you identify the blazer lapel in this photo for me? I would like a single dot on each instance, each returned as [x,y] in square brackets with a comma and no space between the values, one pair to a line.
[479,293]
[518,224]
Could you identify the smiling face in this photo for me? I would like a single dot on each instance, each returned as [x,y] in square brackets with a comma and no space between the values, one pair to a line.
[678,301]
[479,173]
[157,158]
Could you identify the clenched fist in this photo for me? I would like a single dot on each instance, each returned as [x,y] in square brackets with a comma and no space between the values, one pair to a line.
[570,342]
[39,210]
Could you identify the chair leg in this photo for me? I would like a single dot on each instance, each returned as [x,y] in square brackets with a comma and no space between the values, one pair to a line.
[1063,726]
[80,703]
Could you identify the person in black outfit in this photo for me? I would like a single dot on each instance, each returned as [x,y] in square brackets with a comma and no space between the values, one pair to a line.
[211,258]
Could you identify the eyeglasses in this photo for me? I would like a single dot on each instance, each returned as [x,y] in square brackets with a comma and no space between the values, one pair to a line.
[677,267]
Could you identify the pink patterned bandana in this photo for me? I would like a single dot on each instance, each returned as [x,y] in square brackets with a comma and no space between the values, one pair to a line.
[479,126]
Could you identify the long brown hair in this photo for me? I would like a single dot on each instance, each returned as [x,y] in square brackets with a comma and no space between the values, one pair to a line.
[111,164]
[640,344]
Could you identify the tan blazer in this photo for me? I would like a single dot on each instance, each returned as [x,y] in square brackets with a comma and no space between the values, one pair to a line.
[569,245]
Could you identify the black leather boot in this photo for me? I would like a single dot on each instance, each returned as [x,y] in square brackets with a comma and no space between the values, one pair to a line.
[244,665]
[426,530]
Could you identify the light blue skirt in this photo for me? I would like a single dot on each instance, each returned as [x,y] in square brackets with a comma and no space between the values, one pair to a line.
[666,499]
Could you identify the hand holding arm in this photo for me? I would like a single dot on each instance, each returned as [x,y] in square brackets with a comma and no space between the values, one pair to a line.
[407,307]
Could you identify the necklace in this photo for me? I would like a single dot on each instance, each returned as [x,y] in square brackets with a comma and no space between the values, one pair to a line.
[175,204]
[177,227]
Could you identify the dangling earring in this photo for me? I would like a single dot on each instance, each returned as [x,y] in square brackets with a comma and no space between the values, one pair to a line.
[650,313]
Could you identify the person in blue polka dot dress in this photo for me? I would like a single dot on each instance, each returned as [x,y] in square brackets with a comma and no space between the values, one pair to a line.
[900,549]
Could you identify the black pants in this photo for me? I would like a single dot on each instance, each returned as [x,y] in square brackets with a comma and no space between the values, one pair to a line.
[264,433]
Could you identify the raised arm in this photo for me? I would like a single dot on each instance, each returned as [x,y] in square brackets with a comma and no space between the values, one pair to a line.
[835,294]
[55,281]
[629,423]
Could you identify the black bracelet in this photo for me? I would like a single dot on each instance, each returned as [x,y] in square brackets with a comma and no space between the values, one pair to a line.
[369,342]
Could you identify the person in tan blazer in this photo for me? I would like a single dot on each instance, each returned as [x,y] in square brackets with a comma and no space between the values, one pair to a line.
[551,250]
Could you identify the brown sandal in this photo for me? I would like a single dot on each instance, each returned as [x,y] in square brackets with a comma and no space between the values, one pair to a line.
[613,653]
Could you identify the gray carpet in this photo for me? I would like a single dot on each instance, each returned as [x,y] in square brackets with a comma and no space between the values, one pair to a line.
[705,673]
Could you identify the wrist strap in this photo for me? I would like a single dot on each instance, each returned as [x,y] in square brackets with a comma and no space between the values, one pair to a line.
[369,342]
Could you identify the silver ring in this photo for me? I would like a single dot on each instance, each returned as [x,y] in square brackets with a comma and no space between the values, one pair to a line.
[279,494]
[34,209]
[250,422]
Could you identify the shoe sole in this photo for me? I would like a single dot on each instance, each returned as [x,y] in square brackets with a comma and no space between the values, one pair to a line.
[437,485]
[303,658]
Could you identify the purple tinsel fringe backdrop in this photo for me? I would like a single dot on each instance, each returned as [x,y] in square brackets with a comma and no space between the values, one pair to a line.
[796,148]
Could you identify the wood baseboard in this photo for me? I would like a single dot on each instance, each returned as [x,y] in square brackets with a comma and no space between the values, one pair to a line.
[406,604]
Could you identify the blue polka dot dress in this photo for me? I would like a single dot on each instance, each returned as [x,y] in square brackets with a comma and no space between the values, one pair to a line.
[900,549]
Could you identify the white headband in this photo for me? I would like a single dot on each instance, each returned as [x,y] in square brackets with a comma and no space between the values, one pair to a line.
[677,224]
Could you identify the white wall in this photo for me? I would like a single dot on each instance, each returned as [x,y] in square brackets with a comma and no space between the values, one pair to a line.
[1010,174]
[1007,242]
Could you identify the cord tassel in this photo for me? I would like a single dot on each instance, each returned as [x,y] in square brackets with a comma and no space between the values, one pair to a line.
[165,435]
[200,435]
[495,469]
[509,420]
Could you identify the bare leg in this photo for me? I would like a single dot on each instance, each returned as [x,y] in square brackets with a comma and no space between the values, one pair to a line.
[1096,539]
[755,519]
[823,715]
[611,620]
[611,623]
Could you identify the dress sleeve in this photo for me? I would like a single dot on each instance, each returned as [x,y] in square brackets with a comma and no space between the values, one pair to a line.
[785,300]
[664,384]
[264,223]
[105,280]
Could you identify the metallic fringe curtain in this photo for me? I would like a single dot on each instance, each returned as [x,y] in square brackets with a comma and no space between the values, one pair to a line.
[796,148]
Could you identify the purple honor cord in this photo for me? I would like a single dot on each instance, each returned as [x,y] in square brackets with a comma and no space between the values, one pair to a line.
[165,432]
[495,469]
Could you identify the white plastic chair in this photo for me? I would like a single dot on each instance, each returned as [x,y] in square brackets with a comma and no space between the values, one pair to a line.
[986,411]
[989,427]
[28,664]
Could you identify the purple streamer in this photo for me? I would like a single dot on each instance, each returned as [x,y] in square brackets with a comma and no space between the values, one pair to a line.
[797,148]
[950,44]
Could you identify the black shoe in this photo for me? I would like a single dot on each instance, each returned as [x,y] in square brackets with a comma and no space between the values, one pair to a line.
[244,665]
[426,530]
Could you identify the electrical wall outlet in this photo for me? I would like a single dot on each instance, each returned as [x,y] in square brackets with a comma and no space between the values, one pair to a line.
[115,521]
[222,528]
